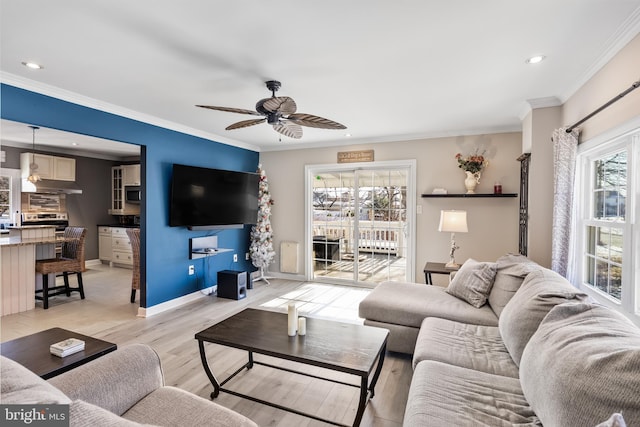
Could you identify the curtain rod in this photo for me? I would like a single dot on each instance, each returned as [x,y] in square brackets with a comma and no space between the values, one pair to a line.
[621,95]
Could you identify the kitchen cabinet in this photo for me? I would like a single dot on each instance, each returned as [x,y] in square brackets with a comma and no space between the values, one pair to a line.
[120,175]
[49,167]
[104,243]
[120,247]
[131,175]
[114,246]
[64,169]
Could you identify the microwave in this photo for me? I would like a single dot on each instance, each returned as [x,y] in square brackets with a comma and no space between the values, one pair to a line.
[132,194]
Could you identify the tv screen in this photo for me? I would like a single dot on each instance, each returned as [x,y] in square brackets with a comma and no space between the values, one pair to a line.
[202,197]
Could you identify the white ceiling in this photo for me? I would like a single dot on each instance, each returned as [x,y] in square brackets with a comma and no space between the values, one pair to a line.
[21,135]
[388,70]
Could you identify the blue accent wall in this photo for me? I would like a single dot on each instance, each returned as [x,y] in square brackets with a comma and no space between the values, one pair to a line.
[166,249]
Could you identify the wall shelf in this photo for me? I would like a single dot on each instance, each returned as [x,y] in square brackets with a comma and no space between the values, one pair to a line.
[480,195]
[202,253]
[200,247]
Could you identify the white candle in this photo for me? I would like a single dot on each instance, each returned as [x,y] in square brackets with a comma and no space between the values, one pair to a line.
[292,320]
[302,326]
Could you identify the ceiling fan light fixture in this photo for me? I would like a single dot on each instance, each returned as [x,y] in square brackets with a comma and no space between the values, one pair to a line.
[33,167]
[280,113]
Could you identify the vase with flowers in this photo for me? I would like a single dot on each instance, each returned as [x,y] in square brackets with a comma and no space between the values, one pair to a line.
[473,166]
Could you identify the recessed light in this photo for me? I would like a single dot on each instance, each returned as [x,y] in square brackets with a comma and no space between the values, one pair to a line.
[347,135]
[32,65]
[535,59]
[75,144]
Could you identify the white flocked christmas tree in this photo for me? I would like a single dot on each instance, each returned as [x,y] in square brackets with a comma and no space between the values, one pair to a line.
[261,248]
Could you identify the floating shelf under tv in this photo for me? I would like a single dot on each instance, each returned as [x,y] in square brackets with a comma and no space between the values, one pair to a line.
[472,195]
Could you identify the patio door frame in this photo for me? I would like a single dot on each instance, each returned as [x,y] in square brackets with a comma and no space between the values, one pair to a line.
[311,171]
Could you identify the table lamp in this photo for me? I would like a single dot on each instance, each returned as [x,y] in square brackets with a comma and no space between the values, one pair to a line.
[453,222]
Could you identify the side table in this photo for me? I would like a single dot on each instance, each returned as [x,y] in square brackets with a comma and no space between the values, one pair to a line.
[436,268]
[32,351]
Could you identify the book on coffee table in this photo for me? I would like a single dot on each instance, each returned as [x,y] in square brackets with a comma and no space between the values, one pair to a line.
[67,347]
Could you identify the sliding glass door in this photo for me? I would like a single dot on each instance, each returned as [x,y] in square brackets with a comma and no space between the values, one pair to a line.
[360,223]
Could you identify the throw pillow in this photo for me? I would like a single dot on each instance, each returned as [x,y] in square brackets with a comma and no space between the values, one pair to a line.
[582,365]
[511,271]
[541,290]
[473,282]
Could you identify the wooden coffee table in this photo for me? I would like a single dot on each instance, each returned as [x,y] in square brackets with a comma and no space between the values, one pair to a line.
[342,347]
[32,351]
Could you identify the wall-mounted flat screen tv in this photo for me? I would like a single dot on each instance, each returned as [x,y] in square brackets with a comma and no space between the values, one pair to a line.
[203,197]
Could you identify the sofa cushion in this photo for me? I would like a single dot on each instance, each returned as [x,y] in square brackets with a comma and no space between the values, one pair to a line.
[590,357]
[21,386]
[541,290]
[473,282]
[401,339]
[171,406]
[82,413]
[468,346]
[447,395]
[511,269]
[407,304]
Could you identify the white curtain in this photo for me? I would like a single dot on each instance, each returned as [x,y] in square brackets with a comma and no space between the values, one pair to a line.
[565,147]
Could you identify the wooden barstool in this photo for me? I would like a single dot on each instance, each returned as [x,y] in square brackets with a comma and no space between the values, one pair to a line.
[71,261]
[134,238]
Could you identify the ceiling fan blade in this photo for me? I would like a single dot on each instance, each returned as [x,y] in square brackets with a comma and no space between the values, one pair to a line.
[289,129]
[245,123]
[230,110]
[280,104]
[314,121]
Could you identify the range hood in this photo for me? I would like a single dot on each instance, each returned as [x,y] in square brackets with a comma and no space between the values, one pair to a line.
[51,186]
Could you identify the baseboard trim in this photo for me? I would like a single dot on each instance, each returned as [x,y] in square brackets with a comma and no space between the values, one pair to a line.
[175,303]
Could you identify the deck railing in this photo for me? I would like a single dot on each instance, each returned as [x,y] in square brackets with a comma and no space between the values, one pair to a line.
[373,236]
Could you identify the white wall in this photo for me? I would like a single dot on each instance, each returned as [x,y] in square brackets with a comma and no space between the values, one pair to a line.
[493,223]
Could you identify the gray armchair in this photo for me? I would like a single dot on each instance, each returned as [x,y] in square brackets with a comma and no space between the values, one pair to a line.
[123,388]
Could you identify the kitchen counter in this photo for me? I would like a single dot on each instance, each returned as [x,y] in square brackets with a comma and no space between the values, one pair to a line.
[120,225]
[24,241]
[29,227]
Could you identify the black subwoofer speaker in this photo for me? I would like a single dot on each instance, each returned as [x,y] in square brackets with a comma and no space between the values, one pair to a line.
[232,284]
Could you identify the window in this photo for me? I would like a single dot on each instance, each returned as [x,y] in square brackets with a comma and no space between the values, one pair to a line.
[605,234]
[5,197]
[607,184]
[9,194]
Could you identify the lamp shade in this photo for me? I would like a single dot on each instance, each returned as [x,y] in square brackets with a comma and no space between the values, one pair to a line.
[453,221]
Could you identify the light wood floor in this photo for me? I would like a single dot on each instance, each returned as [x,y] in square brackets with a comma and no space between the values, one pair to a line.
[107,314]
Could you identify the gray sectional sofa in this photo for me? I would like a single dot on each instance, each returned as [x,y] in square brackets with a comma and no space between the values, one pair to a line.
[510,343]
[123,388]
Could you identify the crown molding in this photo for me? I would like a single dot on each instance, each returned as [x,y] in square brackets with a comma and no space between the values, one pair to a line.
[396,138]
[65,95]
[624,34]
[535,103]
[629,29]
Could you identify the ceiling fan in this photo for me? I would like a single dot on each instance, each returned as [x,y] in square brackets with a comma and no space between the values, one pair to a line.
[279,112]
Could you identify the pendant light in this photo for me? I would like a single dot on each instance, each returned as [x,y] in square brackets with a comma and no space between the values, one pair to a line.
[33,167]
